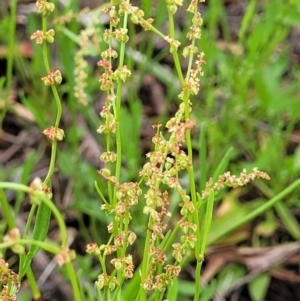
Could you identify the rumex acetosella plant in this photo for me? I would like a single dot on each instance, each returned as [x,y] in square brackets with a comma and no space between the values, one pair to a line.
[167,248]
[39,192]
[164,251]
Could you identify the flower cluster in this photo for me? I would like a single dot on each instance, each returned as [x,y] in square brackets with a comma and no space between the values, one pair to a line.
[161,281]
[127,195]
[172,5]
[124,265]
[54,133]
[65,256]
[85,40]
[109,77]
[136,15]
[165,163]
[171,155]
[13,235]
[44,7]
[8,279]
[228,180]
[53,78]
[70,16]
[105,280]
[40,36]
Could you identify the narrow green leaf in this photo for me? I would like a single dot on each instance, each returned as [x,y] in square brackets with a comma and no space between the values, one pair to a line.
[247,19]
[40,231]
[203,158]
[208,219]
[290,222]
[6,210]
[172,294]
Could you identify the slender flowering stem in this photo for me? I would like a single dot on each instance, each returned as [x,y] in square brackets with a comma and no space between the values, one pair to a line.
[118,104]
[58,105]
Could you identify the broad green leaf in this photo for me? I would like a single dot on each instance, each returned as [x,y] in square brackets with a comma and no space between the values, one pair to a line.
[258,287]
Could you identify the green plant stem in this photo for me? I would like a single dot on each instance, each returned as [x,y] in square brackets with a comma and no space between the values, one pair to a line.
[109,164]
[203,243]
[190,62]
[58,105]
[49,247]
[74,282]
[14,186]
[189,150]
[256,212]
[44,46]
[203,157]
[26,231]
[52,163]
[191,174]
[178,68]
[33,285]
[145,263]
[60,221]
[118,107]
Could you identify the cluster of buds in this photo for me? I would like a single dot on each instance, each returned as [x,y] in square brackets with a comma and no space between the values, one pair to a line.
[44,7]
[40,36]
[108,157]
[114,15]
[157,208]
[228,180]
[109,125]
[66,255]
[163,280]
[173,5]
[54,133]
[38,186]
[86,37]
[105,280]
[70,16]
[9,282]
[124,238]
[192,83]
[108,77]
[124,265]
[106,174]
[12,236]
[136,15]
[195,32]
[165,163]
[53,78]
[174,44]
[188,240]
[127,195]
